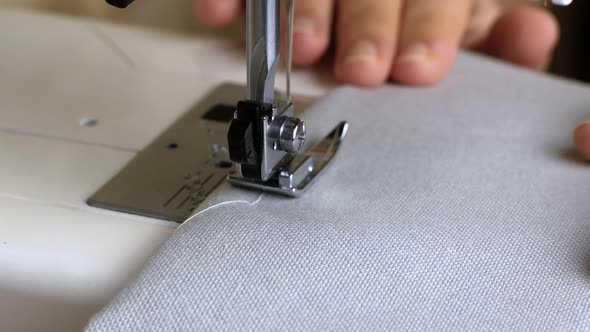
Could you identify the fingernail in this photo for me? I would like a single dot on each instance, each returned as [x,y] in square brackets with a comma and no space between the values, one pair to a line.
[417,53]
[305,26]
[364,51]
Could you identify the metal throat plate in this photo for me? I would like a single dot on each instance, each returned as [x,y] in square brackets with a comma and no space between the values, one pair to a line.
[177,171]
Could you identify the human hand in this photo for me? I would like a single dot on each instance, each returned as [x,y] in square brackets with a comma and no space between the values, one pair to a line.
[413,41]
[582,139]
[408,41]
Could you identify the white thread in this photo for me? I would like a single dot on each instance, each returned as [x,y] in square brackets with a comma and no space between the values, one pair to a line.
[81,208]
[16,197]
[64,139]
[251,204]
[95,211]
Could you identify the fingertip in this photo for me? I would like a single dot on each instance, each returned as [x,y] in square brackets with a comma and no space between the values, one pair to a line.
[525,36]
[216,13]
[582,139]
[309,44]
[423,64]
[365,64]
[361,73]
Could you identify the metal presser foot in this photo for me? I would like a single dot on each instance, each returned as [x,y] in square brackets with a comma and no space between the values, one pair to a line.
[265,139]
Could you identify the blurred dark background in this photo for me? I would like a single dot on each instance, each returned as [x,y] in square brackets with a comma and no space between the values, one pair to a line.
[572,56]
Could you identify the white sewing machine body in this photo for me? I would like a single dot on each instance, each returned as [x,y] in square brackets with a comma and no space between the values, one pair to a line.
[78,100]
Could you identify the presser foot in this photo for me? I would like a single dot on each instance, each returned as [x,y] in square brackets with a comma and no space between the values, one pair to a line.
[298,171]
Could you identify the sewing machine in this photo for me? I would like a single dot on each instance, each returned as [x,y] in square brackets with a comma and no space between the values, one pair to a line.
[260,134]
[81,100]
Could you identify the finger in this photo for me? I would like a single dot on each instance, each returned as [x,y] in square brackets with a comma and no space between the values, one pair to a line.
[430,36]
[484,15]
[311,30]
[582,139]
[524,36]
[217,13]
[366,35]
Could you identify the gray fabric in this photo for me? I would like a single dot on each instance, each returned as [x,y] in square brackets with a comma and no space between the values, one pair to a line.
[459,207]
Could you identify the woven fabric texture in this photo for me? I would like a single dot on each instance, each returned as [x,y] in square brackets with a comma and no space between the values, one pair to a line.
[460,207]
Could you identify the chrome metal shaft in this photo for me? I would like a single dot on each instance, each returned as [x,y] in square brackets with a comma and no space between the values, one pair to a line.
[262,47]
[290,20]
